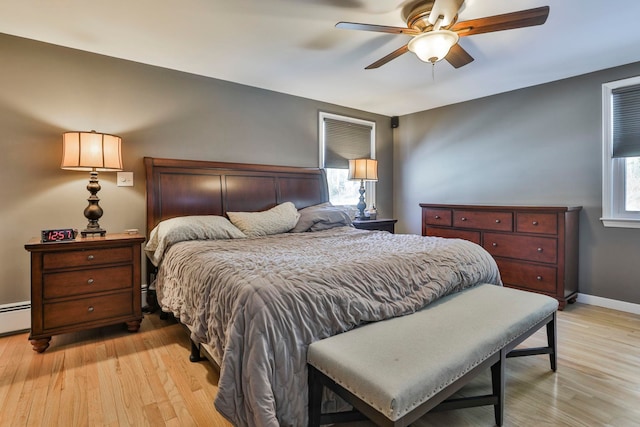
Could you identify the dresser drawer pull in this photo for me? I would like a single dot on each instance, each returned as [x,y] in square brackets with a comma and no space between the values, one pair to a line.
[90,281]
[90,309]
[463,219]
[494,244]
[437,217]
[90,258]
[540,250]
[535,223]
[538,278]
[497,221]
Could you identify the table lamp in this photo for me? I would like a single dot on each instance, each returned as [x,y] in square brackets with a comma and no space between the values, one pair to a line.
[364,170]
[93,152]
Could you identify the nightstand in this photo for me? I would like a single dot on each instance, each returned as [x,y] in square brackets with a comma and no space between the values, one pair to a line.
[376,224]
[85,283]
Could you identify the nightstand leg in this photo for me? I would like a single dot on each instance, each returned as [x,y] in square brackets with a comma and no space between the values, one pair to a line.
[133,325]
[40,344]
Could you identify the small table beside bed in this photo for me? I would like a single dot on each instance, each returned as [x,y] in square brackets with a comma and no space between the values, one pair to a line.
[258,265]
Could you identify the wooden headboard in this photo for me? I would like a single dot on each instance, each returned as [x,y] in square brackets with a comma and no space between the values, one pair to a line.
[193,187]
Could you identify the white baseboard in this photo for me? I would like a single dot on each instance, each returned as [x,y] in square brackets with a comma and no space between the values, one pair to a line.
[627,307]
[16,317]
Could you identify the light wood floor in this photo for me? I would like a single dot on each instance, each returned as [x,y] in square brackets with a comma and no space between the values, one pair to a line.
[112,378]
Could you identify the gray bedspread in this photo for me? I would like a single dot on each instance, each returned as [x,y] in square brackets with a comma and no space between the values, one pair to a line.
[259,302]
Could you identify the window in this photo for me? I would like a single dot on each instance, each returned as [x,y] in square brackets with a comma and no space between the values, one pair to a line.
[343,138]
[621,153]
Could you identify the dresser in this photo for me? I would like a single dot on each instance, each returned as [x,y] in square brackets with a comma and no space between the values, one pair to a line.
[82,284]
[376,224]
[535,247]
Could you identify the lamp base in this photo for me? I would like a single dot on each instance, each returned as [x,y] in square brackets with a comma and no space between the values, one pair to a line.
[92,231]
[93,212]
[361,204]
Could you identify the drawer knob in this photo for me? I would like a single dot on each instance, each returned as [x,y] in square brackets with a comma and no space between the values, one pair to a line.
[535,223]
[437,217]
[90,281]
[90,258]
[494,244]
[497,221]
[538,277]
[463,219]
[540,250]
[90,309]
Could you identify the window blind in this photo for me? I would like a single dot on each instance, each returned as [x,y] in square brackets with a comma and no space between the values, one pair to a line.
[626,121]
[345,140]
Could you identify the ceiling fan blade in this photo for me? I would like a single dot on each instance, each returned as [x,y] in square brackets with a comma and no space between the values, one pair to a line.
[393,55]
[507,21]
[376,28]
[458,57]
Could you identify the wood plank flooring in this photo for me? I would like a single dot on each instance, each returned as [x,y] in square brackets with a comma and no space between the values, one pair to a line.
[110,377]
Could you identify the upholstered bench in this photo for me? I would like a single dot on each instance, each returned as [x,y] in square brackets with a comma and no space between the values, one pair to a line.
[394,371]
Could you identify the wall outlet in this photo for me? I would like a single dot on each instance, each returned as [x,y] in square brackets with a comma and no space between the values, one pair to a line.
[125,179]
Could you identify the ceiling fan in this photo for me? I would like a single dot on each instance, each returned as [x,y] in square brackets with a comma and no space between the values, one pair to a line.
[435,30]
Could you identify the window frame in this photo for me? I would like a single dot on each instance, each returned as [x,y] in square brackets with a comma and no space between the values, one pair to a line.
[369,186]
[614,213]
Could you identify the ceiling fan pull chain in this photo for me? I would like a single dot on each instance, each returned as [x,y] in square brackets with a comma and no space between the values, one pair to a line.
[433,71]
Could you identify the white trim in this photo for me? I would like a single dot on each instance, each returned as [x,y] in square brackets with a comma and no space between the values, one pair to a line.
[370,186]
[621,222]
[627,307]
[16,317]
[613,170]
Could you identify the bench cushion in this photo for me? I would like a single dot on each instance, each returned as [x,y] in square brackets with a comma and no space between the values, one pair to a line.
[397,364]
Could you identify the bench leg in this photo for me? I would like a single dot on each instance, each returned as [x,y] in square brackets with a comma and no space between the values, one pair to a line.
[315,397]
[552,342]
[498,385]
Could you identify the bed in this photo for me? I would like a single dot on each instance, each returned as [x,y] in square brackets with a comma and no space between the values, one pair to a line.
[257,299]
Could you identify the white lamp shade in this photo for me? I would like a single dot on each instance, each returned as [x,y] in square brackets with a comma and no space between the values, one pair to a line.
[88,151]
[363,169]
[433,46]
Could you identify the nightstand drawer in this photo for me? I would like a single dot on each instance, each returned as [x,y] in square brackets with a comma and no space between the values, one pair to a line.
[528,276]
[541,249]
[87,310]
[57,285]
[84,258]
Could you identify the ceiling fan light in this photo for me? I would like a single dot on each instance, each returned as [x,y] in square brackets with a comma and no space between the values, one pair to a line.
[433,46]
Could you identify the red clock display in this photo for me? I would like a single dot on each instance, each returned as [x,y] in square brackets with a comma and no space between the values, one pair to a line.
[59,235]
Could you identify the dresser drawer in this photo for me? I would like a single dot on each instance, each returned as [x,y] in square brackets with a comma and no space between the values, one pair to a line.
[84,258]
[541,249]
[529,276]
[436,216]
[452,233]
[542,223]
[498,221]
[87,310]
[57,285]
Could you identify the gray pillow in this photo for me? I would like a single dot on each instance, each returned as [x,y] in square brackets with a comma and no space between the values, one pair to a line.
[321,217]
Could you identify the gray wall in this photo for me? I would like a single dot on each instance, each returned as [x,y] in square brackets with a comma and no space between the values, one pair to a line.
[47,90]
[539,145]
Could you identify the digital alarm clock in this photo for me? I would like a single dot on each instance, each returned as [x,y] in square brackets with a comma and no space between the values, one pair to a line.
[58,235]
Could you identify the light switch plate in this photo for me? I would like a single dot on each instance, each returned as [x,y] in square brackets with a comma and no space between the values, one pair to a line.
[125,179]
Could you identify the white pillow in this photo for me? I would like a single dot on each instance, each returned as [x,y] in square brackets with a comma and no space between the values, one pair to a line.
[278,219]
[197,227]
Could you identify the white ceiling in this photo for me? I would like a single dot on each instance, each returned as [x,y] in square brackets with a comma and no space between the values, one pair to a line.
[292,46]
